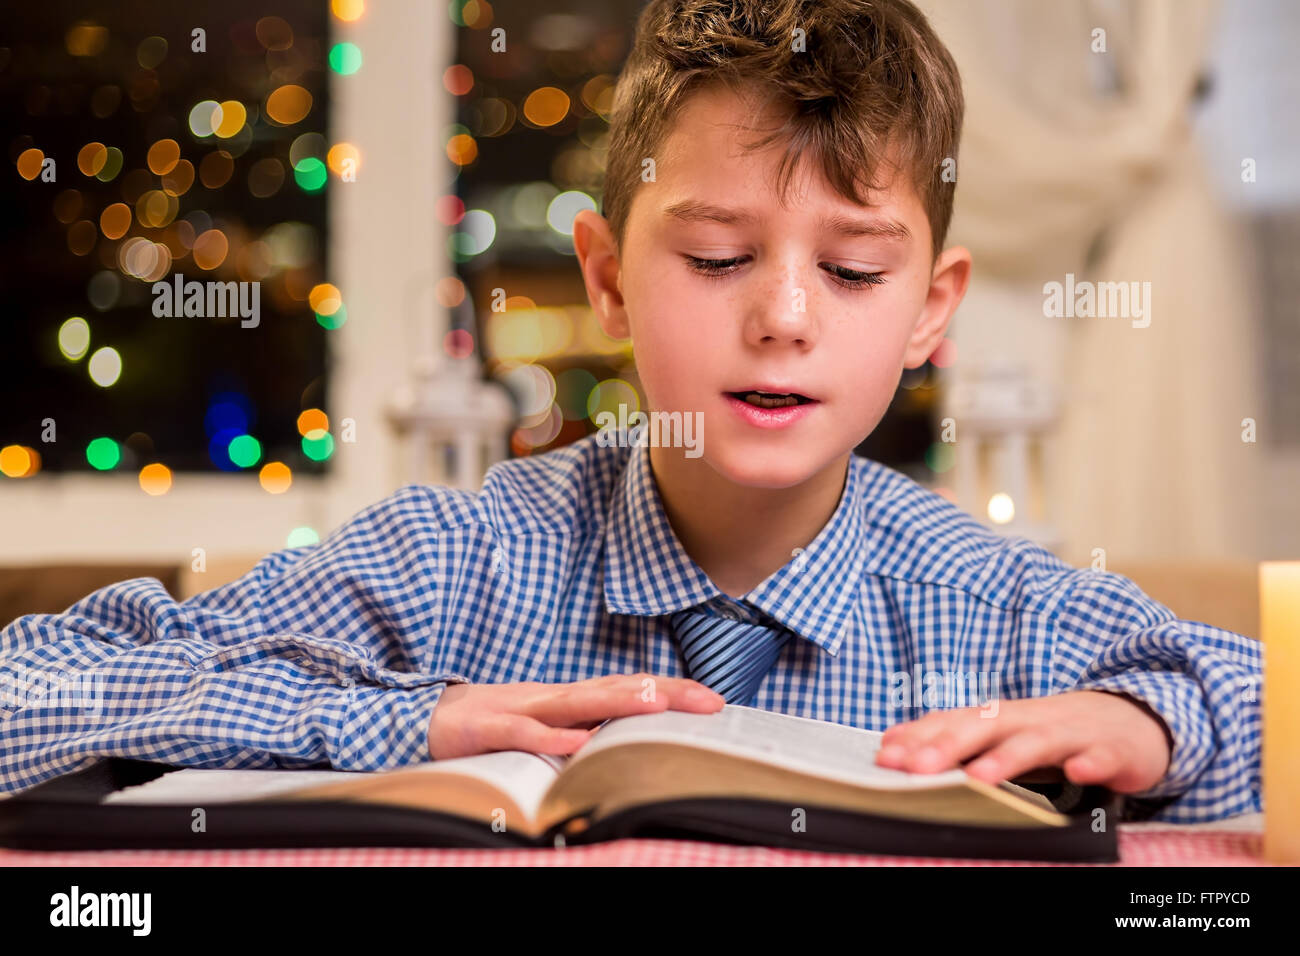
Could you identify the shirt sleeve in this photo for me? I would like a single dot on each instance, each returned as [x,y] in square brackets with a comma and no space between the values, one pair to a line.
[1203,682]
[298,663]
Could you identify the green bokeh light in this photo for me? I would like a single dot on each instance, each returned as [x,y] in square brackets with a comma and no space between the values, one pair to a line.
[318,449]
[940,457]
[334,319]
[103,454]
[310,174]
[300,537]
[244,450]
[345,58]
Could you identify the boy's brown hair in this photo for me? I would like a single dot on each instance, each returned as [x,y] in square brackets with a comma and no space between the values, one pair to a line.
[871,75]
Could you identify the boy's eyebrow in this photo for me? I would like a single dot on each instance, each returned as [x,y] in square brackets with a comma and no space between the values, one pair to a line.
[693,210]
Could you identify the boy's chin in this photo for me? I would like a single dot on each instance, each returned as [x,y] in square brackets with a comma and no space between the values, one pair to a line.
[771,467]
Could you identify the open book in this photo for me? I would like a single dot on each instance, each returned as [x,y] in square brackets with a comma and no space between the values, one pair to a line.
[738,775]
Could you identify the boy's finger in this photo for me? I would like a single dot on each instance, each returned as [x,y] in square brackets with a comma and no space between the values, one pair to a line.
[1099,764]
[938,740]
[573,704]
[518,732]
[1030,748]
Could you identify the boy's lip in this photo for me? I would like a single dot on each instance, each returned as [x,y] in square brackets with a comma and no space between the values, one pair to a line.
[771,389]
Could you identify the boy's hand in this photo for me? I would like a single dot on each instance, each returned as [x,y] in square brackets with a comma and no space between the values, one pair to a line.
[478,718]
[1097,737]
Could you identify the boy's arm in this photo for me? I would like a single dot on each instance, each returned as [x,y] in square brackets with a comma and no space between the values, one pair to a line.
[259,673]
[1203,682]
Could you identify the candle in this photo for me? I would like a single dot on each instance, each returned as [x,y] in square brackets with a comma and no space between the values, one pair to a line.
[1279,604]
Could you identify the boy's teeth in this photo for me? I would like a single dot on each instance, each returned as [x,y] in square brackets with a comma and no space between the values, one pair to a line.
[763,400]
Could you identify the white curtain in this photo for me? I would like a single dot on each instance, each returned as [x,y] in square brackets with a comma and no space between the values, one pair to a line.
[1067,150]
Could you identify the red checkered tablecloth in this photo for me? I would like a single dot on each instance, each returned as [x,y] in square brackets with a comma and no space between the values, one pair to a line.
[1140,845]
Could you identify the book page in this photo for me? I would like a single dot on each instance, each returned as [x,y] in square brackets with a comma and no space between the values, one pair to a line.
[521,776]
[196,787]
[815,747]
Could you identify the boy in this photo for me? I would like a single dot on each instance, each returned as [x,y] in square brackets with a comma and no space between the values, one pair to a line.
[773,245]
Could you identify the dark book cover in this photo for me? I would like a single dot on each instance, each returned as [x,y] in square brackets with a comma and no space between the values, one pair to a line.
[66,814]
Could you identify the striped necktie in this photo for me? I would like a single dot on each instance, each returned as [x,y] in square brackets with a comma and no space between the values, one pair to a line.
[729,657]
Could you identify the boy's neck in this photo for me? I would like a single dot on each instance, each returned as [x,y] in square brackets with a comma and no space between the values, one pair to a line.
[740,535]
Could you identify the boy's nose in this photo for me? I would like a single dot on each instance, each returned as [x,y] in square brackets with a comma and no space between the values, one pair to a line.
[781,311]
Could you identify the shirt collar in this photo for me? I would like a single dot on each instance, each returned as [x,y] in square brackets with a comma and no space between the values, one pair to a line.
[648,572]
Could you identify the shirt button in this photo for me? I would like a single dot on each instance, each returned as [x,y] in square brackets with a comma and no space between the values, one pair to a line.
[346,682]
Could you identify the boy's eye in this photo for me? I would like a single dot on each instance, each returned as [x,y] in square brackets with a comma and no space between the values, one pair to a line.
[713,267]
[849,278]
[852,279]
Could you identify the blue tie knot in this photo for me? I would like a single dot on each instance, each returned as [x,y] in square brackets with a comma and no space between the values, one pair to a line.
[728,656]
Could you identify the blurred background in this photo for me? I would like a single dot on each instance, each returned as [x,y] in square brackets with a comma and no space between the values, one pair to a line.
[399,178]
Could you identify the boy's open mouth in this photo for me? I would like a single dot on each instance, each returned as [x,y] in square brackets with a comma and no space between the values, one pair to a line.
[771,399]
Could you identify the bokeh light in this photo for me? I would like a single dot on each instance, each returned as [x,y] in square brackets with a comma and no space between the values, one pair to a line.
[546,106]
[325,298]
[155,479]
[228,119]
[344,158]
[313,423]
[244,450]
[458,343]
[477,231]
[458,79]
[1001,508]
[74,338]
[461,149]
[334,319]
[560,213]
[115,220]
[151,52]
[103,454]
[348,10]
[203,116]
[216,168]
[210,249]
[275,477]
[310,174]
[30,162]
[105,367]
[449,209]
[112,165]
[608,395]
[345,58]
[91,158]
[163,156]
[572,386]
[274,33]
[288,104]
[85,38]
[15,461]
[534,390]
[318,448]
[940,457]
[302,537]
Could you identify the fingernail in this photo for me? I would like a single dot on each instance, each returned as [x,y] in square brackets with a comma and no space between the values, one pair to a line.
[891,754]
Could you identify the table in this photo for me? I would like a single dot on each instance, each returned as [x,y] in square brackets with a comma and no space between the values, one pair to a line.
[1236,841]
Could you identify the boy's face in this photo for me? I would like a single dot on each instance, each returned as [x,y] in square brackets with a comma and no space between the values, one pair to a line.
[792,308]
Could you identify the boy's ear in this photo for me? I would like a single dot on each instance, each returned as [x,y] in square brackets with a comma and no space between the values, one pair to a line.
[597,251]
[948,282]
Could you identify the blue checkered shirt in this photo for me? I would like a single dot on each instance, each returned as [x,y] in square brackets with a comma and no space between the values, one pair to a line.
[563,566]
